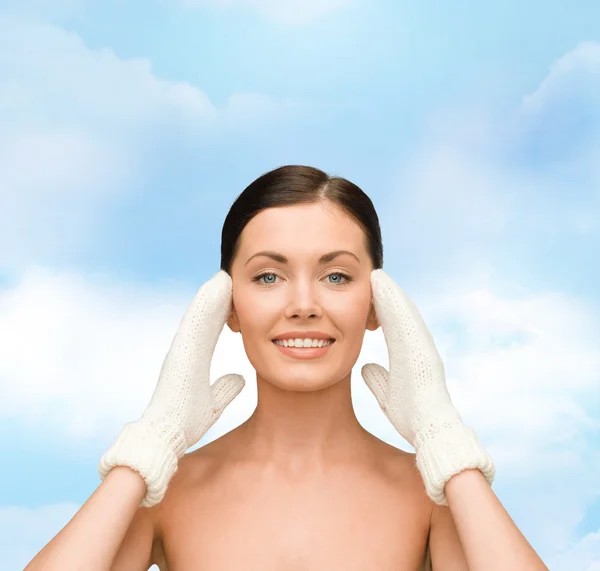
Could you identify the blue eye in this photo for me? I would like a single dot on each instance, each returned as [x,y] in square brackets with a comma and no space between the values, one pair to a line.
[265,274]
[257,278]
[345,276]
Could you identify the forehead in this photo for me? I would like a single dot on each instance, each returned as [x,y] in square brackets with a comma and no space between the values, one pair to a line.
[321,223]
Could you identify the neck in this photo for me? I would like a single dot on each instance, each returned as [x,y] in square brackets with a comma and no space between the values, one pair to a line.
[299,432]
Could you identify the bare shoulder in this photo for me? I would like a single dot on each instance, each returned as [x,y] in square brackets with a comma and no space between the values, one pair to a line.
[408,496]
[400,466]
[193,470]
[400,469]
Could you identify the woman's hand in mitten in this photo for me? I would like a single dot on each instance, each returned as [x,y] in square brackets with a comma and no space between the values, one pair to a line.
[414,395]
[184,405]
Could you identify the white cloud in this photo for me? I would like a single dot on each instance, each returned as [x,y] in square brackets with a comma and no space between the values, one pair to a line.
[582,556]
[533,174]
[24,531]
[75,124]
[98,346]
[524,371]
[576,75]
[560,121]
[70,121]
[291,12]
[55,10]
[57,78]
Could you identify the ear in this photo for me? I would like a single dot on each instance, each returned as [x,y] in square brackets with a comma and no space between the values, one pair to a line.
[372,321]
[232,321]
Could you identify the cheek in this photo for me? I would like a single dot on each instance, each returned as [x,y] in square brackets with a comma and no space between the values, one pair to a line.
[255,311]
[352,310]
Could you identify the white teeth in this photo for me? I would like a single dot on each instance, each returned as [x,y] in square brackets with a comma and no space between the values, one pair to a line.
[304,343]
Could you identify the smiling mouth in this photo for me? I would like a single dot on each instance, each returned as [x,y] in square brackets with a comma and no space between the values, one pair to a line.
[329,343]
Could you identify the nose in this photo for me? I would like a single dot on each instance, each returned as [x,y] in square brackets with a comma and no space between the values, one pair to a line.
[304,302]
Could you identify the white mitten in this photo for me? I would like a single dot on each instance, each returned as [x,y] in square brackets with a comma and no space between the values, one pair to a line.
[184,405]
[414,395]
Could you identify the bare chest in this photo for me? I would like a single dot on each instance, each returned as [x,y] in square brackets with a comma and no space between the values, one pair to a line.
[350,524]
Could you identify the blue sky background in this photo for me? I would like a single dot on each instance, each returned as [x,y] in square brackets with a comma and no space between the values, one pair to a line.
[126,132]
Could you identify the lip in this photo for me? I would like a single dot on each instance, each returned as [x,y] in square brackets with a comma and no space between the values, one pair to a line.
[304,352]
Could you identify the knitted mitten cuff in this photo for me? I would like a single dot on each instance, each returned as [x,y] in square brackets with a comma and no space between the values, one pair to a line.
[446,450]
[139,447]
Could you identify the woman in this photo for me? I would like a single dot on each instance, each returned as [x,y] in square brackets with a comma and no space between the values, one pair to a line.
[301,484]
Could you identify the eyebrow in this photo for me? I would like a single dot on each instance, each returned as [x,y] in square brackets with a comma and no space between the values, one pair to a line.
[324,259]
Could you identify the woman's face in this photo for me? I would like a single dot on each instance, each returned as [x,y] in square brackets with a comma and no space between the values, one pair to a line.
[302,294]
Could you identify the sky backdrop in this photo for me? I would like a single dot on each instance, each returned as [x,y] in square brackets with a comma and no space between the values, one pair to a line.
[128,129]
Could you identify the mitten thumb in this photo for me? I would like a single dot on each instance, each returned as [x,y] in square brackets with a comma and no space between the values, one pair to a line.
[225,389]
[376,378]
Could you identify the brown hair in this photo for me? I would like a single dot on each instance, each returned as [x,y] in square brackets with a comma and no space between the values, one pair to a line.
[297,184]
